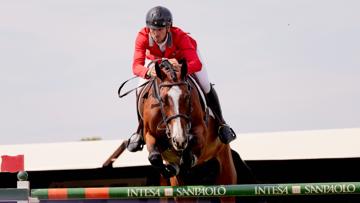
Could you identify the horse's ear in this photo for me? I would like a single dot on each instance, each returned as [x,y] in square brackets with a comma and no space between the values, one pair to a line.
[184,69]
[158,71]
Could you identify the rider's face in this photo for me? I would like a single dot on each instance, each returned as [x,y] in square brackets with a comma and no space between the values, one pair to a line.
[158,35]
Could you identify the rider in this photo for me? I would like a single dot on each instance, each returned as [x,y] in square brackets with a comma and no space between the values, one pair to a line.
[159,39]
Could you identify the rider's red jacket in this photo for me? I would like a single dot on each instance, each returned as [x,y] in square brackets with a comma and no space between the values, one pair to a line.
[180,46]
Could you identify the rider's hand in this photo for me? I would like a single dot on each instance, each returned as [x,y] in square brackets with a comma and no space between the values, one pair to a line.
[175,63]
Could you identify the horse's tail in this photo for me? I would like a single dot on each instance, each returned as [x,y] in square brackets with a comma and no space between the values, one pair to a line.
[244,173]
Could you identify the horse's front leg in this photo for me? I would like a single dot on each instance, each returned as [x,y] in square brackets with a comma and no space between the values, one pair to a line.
[194,149]
[154,154]
[188,158]
[156,159]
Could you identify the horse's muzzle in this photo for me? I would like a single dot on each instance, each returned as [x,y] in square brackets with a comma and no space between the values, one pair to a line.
[179,145]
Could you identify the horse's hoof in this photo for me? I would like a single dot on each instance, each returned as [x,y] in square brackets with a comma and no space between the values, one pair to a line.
[188,161]
[171,170]
[155,159]
[194,161]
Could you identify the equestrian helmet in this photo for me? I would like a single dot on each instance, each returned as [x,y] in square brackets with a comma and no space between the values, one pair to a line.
[158,17]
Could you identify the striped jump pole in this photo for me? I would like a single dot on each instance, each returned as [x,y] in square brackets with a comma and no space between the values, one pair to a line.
[256,190]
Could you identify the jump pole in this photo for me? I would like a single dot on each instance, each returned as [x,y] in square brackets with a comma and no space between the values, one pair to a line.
[256,190]
[24,194]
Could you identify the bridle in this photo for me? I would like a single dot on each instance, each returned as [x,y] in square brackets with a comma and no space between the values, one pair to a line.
[157,86]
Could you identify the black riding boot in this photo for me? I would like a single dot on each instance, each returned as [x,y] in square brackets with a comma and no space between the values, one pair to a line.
[136,141]
[225,132]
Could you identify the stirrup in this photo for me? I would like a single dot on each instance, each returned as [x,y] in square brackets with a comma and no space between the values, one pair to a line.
[226,133]
[135,145]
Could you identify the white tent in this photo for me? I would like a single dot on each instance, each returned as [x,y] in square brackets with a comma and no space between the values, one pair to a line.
[315,144]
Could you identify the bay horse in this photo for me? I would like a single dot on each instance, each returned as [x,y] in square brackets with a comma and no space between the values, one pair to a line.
[177,135]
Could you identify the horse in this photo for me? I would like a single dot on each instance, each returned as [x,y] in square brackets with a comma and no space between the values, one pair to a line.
[178,131]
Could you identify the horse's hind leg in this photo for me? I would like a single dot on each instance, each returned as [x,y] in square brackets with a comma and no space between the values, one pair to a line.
[227,174]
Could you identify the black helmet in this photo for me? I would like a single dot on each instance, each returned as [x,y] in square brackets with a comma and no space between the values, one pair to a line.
[158,17]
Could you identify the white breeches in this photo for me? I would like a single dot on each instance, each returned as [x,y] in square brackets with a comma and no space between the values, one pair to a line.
[201,75]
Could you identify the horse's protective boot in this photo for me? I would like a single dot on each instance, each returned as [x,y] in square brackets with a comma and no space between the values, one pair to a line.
[225,132]
[136,141]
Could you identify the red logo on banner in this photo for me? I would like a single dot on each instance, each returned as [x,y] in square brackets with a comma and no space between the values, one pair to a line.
[12,163]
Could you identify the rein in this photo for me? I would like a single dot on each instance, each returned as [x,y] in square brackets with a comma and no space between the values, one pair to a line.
[128,92]
[142,85]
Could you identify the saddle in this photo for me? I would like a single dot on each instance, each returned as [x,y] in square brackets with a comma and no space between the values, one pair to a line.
[141,96]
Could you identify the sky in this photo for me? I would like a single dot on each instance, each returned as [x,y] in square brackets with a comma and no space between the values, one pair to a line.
[276,65]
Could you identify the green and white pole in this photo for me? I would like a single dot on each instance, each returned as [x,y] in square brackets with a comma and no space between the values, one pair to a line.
[21,194]
[256,190]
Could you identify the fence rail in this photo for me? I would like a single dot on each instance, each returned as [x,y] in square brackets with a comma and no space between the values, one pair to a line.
[334,188]
[23,191]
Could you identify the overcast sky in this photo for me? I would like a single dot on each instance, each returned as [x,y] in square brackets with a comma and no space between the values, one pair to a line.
[277,65]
